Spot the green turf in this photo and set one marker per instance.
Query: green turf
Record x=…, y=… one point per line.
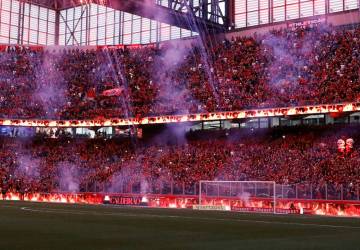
x=55, y=226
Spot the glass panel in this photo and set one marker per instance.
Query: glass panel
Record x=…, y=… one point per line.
x=77, y=37
x=5, y=17
x=110, y=17
x=185, y=33
x=109, y=31
x=136, y=38
x=93, y=34
x=42, y=26
x=51, y=39
x=93, y=22
x=277, y=3
x=288, y=2
x=26, y=36
x=33, y=35
x=351, y=4
x=127, y=16
x=319, y=7
x=253, y=18
x=78, y=11
x=165, y=33
x=127, y=28
x=62, y=39
x=15, y=7
x=127, y=39
x=175, y=32
x=279, y=14
x=52, y=16
x=145, y=24
x=27, y=9
x=306, y=9
x=33, y=23
x=93, y=9
x=15, y=19
x=62, y=28
x=101, y=20
x=70, y=14
x=42, y=38
x=109, y=41
x=83, y=24
x=83, y=37
x=4, y=39
x=117, y=30
x=136, y=25
x=336, y=5
x=252, y=5
x=240, y=6
x=101, y=8
x=43, y=13
x=240, y=21
x=14, y=32
x=51, y=28
x=26, y=21
x=34, y=11
x=264, y=16
x=101, y=32
x=292, y=11
x=264, y=4
x=6, y=5
x=153, y=34
x=145, y=37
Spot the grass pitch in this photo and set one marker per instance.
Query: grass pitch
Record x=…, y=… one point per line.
x=61, y=226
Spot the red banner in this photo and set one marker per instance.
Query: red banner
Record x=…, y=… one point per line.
x=113, y=92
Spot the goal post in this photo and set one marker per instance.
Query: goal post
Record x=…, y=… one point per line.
x=257, y=196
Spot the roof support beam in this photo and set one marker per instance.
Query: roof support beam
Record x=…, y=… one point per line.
x=207, y=17
x=184, y=16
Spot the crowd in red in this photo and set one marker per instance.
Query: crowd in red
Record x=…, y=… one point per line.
x=286, y=156
x=282, y=68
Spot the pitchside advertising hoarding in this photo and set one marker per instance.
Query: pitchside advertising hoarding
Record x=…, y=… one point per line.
x=266, y=210
x=247, y=209
x=293, y=206
x=125, y=200
x=211, y=207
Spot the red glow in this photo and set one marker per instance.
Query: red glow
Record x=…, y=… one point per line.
x=315, y=207
x=58, y=198
x=274, y=112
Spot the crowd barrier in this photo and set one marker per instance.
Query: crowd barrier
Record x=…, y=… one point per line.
x=337, y=109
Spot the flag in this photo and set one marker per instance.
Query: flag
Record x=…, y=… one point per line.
x=91, y=94
x=113, y=92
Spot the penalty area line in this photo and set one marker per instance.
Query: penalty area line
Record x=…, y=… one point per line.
x=122, y=214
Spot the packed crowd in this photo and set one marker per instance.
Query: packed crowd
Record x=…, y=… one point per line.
x=286, y=156
x=282, y=68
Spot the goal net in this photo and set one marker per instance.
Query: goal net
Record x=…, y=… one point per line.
x=242, y=196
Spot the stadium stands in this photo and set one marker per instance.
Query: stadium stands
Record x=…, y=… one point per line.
x=283, y=68
x=287, y=156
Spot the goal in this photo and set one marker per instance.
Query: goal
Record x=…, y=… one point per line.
x=242, y=196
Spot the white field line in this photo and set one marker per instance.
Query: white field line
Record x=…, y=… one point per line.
x=87, y=212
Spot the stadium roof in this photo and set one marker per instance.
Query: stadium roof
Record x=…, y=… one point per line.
x=212, y=20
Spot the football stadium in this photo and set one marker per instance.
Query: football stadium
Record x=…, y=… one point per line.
x=179, y=124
